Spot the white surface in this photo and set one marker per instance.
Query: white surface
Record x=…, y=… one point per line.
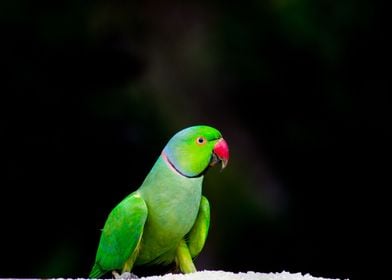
x=224, y=275
x=218, y=275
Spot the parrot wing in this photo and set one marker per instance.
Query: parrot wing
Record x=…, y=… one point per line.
x=194, y=241
x=121, y=235
x=197, y=236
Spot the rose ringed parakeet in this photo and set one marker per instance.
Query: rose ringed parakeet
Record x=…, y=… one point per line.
x=166, y=219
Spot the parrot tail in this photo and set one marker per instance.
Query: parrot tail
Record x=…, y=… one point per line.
x=96, y=272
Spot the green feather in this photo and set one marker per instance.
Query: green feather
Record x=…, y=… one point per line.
x=120, y=235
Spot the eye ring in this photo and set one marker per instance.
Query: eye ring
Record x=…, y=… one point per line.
x=201, y=140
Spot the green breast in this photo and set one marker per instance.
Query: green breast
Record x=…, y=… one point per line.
x=173, y=203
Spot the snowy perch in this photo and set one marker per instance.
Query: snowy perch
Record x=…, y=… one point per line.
x=224, y=275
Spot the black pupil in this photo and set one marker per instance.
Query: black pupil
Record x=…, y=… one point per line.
x=200, y=140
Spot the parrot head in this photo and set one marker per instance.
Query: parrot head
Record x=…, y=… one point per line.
x=192, y=150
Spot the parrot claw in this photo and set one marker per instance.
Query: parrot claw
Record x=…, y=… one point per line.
x=124, y=275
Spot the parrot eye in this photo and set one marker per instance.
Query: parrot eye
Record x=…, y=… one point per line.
x=201, y=140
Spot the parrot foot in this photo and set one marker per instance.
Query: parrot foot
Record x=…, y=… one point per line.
x=124, y=275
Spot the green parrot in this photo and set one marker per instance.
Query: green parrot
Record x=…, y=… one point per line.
x=167, y=218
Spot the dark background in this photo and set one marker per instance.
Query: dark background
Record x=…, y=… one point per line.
x=92, y=91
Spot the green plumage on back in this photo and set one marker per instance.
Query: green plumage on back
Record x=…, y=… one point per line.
x=167, y=219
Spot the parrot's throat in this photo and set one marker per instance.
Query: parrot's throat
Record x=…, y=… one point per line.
x=172, y=166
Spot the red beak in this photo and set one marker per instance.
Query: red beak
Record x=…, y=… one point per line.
x=221, y=150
